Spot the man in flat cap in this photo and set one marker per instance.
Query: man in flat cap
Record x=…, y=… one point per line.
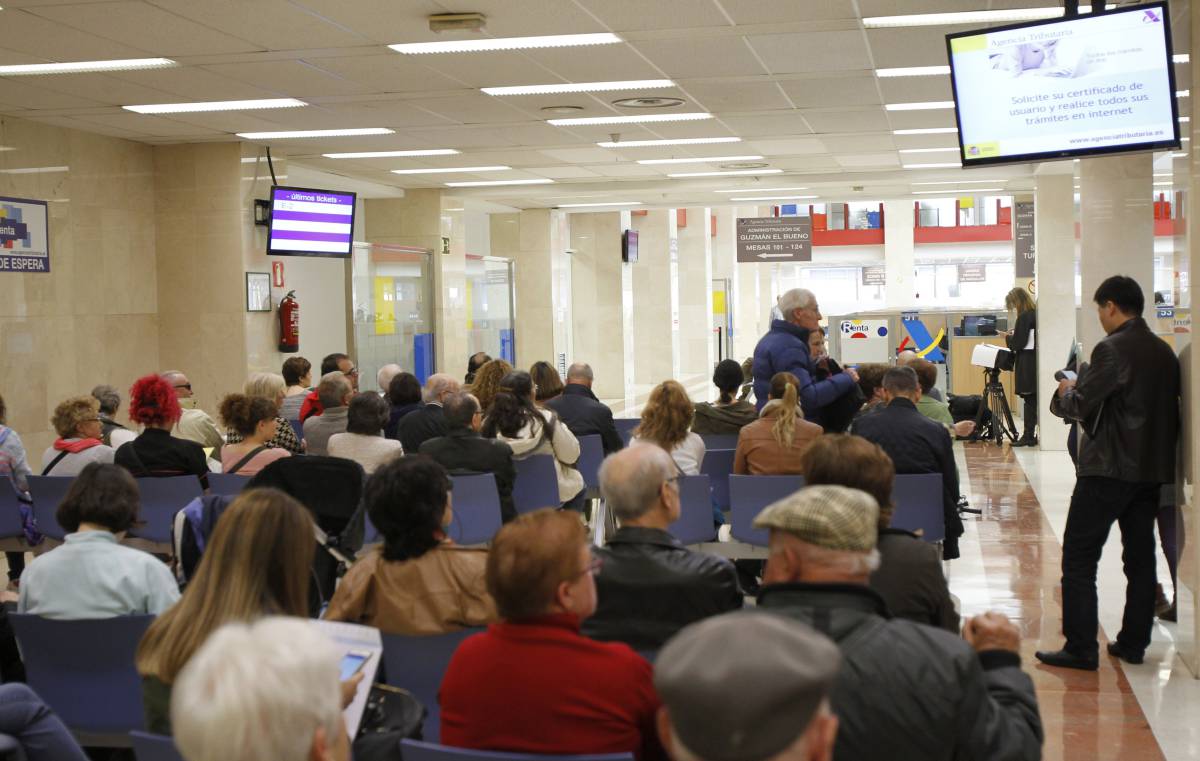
x=905, y=691
x=747, y=686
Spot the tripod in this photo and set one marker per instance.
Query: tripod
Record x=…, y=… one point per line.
x=995, y=403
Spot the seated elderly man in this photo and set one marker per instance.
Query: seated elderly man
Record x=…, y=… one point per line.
x=905, y=690
x=335, y=392
x=781, y=672
x=267, y=690
x=532, y=683
x=194, y=423
x=650, y=586
x=385, y=375
x=462, y=450
x=429, y=422
x=582, y=412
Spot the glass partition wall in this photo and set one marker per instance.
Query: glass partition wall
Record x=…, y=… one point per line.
x=393, y=311
x=490, y=306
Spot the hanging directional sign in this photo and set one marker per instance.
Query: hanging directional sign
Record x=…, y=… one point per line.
x=774, y=239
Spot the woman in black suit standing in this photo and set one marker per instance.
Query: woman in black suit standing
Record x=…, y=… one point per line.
x=1025, y=374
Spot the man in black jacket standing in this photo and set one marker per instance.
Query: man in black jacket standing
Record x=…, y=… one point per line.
x=1127, y=405
x=462, y=450
x=582, y=412
x=916, y=444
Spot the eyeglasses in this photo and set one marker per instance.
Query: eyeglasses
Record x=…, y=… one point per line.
x=188, y=386
x=591, y=568
x=90, y=420
x=351, y=371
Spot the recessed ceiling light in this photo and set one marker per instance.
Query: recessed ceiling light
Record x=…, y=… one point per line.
x=36, y=170
x=727, y=174
x=507, y=43
x=758, y=190
x=959, y=182
x=539, y=181
x=1181, y=58
x=452, y=170
x=216, y=105
x=951, y=192
x=943, y=165
x=913, y=71
x=926, y=106
x=290, y=134
x=928, y=150
x=701, y=160
x=606, y=203
x=926, y=131
x=968, y=17
x=390, y=154
x=631, y=84
x=648, y=102
x=639, y=119
x=83, y=67
x=774, y=198
x=680, y=141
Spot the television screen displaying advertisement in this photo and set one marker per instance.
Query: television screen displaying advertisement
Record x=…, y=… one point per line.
x=307, y=222
x=629, y=246
x=1093, y=84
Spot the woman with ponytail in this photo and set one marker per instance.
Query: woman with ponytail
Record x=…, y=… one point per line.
x=774, y=445
x=729, y=413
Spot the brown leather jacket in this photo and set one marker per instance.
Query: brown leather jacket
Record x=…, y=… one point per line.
x=758, y=454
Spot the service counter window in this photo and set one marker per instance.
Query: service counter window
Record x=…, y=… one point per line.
x=393, y=311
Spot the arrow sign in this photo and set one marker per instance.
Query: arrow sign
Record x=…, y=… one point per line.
x=775, y=256
x=777, y=238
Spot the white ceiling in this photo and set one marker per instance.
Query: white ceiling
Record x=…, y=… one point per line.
x=793, y=78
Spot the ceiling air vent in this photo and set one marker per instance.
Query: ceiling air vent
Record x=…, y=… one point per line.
x=648, y=102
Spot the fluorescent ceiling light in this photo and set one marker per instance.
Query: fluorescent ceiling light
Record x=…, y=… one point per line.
x=926, y=131
x=507, y=43
x=1184, y=119
x=944, y=165
x=390, y=154
x=1181, y=58
x=539, y=181
x=928, y=150
x=1177, y=155
x=1163, y=184
x=289, y=134
x=959, y=182
x=608, y=203
x=648, y=118
x=36, y=170
x=774, y=198
x=452, y=170
x=727, y=174
x=216, y=105
x=701, y=160
x=913, y=71
x=969, y=17
x=631, y=84
x=926, y=106
x=758, y=190
x=680, y=141
x=82, y=67
x=1182, y=93
x=951, y=192
x=1164, y=174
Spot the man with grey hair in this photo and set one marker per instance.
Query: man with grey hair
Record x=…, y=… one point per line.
x=905, y=690
x=266, y=690
x=909, y=357
x=582, y=412
x=784, y=349
x=335, y=392
x=650, y=586
x=113, y=433
x=429, y=422
x=385, y=375
x=780, y=671
x=194, y=424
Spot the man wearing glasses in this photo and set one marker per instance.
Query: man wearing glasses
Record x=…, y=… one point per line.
x=332, y=363
x=195, y=424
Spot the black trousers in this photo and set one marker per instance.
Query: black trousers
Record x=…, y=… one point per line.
x=1096, y=504
x=1029, y=415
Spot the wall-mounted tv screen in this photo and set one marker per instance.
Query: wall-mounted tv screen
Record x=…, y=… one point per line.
x=1093, y=84
x=629, y=246
x=307, y=222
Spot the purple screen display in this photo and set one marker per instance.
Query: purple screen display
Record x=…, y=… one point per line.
x=311, y=222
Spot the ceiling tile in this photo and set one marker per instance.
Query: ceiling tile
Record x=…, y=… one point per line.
x=296, y=79
x=270, y=24
x=787, y=147
x=26, y=94
x=832, y=91
x=718, y=97
x=582, y=155
x=787, y=11
x=789, y=123
x=915, y=89
x=147, y=125
x=484, y=69
x=858, y=143
x=628, y=170
x=472, y=109
x=943, y=117
x=816, y=163
x=909, y=46
x=26, y=32
x=812, y=51
x=104, y=88
x=600, y=63
x=564, y=172
x=690, y=59
x=141, y=25
x=384, y=21
x=872, y=120
x=387, y=72
x=889, y=159
x=190, y=83
x=622, y=15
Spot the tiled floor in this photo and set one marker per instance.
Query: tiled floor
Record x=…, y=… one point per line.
x=1010, y=563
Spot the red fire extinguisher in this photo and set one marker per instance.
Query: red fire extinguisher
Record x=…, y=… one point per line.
x=289, y=323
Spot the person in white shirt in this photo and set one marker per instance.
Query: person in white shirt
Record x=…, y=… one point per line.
x=80, y=429
x=667, y=421
x=92, y=575
x=194, y=424
x=363, y=440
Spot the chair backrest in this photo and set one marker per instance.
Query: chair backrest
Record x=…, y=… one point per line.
x=918, y=499
x=415, y=750
x=695, y=524
x=476, y=513
x=719, y=440
x=417, y=664
x=371, y=534
x=625, y=426
x=10, y=511
x=591, y=454
x=11, y=749
x=227, y=484
x=161, y=498
x=536, y=485
x=148, y=747
x=48, y=493
x=718, y=465
x=749, y=495
x=298, y=427
x=84, y=670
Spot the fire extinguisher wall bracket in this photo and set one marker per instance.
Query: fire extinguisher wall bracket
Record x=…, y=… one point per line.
x=289, y=323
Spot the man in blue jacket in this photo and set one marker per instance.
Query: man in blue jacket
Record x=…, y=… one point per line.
x=784, y=349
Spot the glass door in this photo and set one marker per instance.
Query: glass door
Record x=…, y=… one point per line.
x=393, y=310
x=490, y=306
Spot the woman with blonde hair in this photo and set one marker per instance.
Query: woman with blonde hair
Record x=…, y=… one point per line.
x=774, y=445
x=258, y=563
x=273, y=388
x=667, y=421
x=487, y=382
x=1020, y=341
x=77, y=422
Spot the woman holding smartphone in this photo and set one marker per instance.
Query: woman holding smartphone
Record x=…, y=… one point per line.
x=1025, y=374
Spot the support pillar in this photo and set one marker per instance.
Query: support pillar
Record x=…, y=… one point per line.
x=697, y=342
x=898, y=254
x=597, y=300
x=656, y=347
x=1054, y=244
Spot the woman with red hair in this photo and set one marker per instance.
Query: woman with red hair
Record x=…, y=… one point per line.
x=156, y=453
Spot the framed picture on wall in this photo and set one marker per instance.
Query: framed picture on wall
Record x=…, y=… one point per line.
x=258, y=291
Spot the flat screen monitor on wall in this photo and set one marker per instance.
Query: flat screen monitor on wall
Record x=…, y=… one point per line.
x=307, y=222
x=1093, y=84
x=629, y=246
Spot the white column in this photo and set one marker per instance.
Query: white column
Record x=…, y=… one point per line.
x=598, y=318
x=898, y=254
x=1054, y=243
x=654, y=339
x=697, y=344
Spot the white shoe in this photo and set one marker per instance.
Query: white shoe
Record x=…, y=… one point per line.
x=724, y=534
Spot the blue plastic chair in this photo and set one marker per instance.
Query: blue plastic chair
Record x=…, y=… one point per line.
x=476, y=512
x=371, y=534
x=719, y=440
x=148, y=747
x=591, y=454
x=84, y=671
x=718, y=466
x=161, y=498
x=298, y=427
x=918, y=499
x=536, y=485
x=11, y=749
x=749, y=495
x=695, y=524
x=414, y=750
x=625, y=426
x=48, y=492
x=11, y=526
x=418, y=664
x=227, y=484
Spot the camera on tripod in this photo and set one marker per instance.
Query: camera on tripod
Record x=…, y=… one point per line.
x=992, y=357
